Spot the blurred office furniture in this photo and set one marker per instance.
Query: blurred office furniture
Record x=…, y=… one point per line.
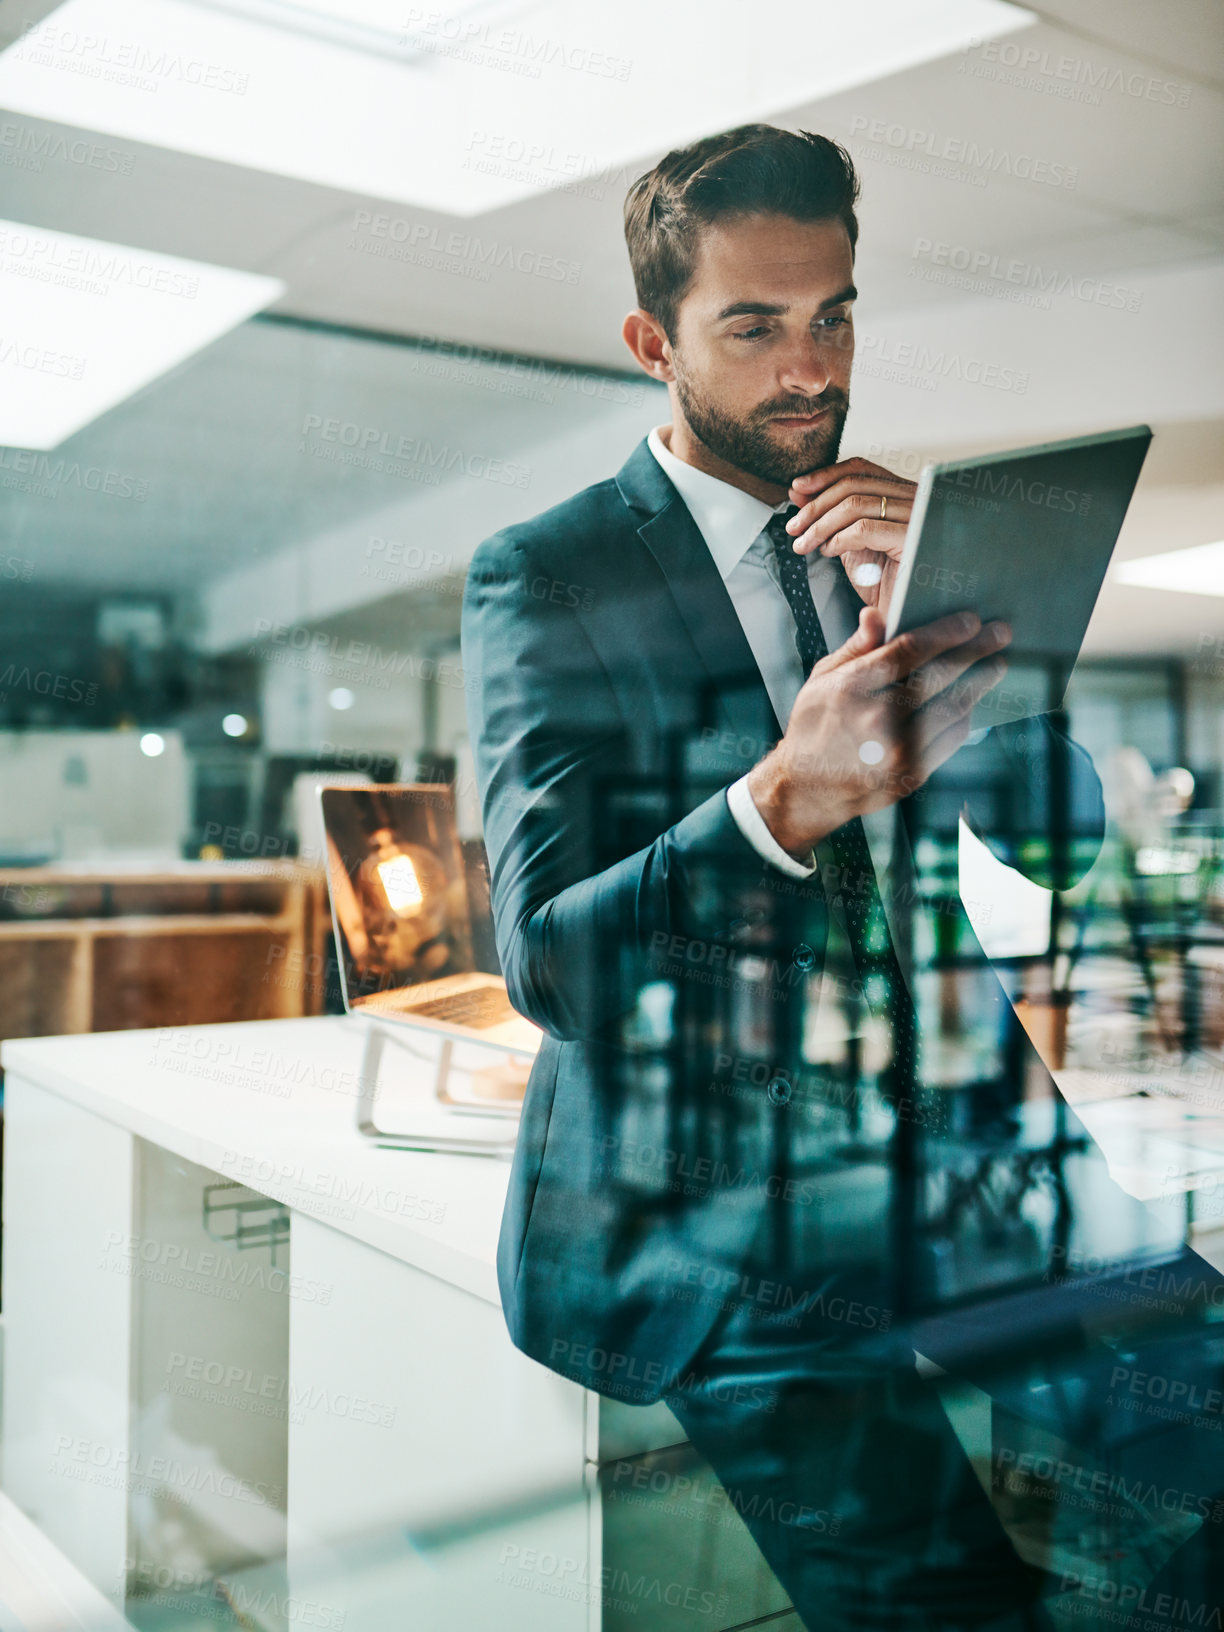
x=379, y=1439
x=108, y=947
x=76, y=795
x=276, y=808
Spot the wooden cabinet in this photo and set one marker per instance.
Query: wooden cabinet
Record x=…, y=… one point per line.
x=95, y=948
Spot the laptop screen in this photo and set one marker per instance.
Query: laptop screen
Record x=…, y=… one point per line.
x=398, y=886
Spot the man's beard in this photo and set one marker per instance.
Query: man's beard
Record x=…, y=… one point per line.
x=753, y=446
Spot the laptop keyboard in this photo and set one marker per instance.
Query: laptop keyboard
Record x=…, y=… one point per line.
x=481, y=1007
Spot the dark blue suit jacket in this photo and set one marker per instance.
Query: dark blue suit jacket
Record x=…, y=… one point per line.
x=613, y=698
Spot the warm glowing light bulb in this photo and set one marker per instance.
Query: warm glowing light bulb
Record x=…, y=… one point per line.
x=400, y=883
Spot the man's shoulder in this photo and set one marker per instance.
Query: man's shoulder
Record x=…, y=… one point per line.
x=559, y=535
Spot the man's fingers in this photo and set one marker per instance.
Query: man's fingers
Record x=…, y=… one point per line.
x=817, y=481
x=904, y=653
x=854, y=522
x=957, y=701
x=866, y=638
x=941, y=727
x=872, y=486
x=933, y=754
x=864, y=532
x=933, y=677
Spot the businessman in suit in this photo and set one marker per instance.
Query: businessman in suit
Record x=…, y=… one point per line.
x=705, y=777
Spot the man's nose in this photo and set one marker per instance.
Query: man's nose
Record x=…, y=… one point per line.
x=806, y=370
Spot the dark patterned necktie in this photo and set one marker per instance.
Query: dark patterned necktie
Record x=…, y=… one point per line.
x=856, y=887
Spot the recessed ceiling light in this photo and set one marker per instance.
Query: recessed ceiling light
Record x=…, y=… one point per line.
x=492, y=107
x=152, y=745
x=84, y=323
x=1198, y=570
x=234, y=725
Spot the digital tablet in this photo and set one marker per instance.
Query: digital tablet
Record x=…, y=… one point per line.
x=1027, y=536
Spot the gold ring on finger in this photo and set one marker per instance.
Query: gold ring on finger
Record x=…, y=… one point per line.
x=883, y=508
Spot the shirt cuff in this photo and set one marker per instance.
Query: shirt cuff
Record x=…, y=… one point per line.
x=751, y=824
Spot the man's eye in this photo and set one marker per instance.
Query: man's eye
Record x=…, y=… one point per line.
x=751, y=334
x=834, y=322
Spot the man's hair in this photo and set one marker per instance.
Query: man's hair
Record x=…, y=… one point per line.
x=751, y=170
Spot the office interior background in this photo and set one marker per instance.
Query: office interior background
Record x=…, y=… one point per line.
x=303, y=300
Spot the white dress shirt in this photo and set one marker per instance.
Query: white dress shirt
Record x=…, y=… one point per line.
x=733, y=524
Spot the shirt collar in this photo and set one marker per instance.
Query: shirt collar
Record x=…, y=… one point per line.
x=729, y=519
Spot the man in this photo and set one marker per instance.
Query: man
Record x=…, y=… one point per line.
x=706, y=777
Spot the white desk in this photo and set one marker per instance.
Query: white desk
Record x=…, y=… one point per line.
x=176, y=1407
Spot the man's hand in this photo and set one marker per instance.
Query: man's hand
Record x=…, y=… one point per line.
x=872, y=721
x=840, y=515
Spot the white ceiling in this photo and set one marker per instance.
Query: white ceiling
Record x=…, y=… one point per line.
x=1149, y=191
x=218, y=440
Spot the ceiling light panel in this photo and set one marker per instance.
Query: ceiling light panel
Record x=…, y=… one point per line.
x=469, y=109
x=1198, y=570
x=85, y=323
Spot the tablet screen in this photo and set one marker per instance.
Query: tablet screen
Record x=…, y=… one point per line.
x=1027, y=536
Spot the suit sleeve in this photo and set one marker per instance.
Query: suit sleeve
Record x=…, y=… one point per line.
x=580, y=928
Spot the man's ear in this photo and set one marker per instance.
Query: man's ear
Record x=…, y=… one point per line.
x=646, y=339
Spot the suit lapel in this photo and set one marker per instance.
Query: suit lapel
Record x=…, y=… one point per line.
x=736, y=697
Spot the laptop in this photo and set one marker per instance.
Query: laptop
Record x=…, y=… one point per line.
x=410, y=909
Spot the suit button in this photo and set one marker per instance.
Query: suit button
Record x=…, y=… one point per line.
x=779, y=1090
x=803, y=957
